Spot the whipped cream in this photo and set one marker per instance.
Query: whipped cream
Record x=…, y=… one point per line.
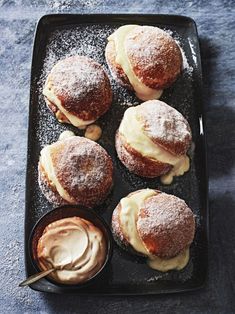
x=75, y=247
x=66, y=134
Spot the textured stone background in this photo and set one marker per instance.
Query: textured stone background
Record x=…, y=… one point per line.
x=216, y=26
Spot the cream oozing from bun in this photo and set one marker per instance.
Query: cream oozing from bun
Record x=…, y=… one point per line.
x=130, y=207
x=132, y=129
x=142, y=91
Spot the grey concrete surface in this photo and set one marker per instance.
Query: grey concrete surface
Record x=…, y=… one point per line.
x=216, y=26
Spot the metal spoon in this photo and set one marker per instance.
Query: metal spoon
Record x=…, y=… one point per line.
x=42, y=274
x=36, y=277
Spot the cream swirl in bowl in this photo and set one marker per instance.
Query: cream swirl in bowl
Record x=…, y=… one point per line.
x=75, y=241
x=75, y=247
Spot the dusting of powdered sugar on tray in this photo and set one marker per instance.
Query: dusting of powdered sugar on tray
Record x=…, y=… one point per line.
x=90, y=40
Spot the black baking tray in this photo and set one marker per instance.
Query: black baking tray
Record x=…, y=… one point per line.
x=60, y=35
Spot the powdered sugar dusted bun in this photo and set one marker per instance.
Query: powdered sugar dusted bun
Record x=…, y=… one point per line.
x=146, y=54
x=75, y=170
x=153, y=139
x=78, y=91
x=166, y=225
x=154, y=224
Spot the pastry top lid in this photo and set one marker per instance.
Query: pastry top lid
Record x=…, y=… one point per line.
x=166, y=225
x=165, y=126
x=154, y=55
x=81, y=166
x=81, y=84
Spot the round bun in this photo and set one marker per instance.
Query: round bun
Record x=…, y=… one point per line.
x=154, y=56
x=82, y=172
x=151, y=138
x=82, y=88
x=165, y=225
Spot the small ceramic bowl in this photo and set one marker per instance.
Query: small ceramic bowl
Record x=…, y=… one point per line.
x=65, y=212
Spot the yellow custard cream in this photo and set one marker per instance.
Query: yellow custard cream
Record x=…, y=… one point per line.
x=128, y=217
x=142, y=91
x=178, y=262
x=134, y=134
x=50, y=95
x=75, y=247
x=130, y=207
x=66, y=134
x=47, y=164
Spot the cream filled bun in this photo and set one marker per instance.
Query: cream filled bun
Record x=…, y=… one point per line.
x=152, y=140
x=144, y=59
x=157, y=225
x=78, y=91
x=75, y=247
x=75, y=170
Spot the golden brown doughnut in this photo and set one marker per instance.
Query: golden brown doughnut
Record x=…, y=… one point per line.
x=153, y=139
x=164, y=224
x=152, y=54
x=75, y=170
x=78, y=91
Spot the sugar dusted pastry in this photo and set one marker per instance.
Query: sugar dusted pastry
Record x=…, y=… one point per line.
x=144, y=59
x=78, y=91
x=157, y=225
x=75, y=170
x=153, y=139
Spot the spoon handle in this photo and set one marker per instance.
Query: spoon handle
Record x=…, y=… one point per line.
x=36, y=277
